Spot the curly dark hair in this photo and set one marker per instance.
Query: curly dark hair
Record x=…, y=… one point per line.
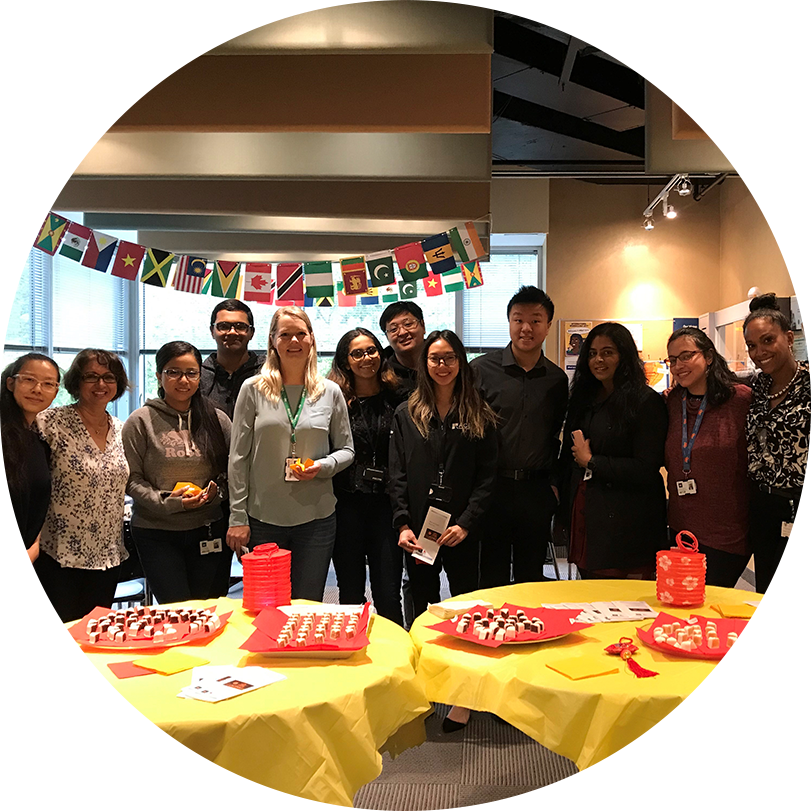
x=720, y=378
x=341, y=372
x=73, y=376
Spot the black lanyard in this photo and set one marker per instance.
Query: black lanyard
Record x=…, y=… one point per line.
x=370, y=431
x=687, y=445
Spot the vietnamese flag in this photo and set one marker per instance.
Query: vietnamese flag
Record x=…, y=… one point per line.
x=128, y=260
x=433, y=285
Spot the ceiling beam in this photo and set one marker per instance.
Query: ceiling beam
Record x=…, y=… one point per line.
x=538, y=51
x=632, y=141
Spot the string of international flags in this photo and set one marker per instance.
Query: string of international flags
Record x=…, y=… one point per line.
x=444, y=263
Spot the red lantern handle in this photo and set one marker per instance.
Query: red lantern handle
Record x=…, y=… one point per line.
x=684, y=546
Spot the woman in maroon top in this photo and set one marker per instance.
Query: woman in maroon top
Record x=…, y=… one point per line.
x=705, y=454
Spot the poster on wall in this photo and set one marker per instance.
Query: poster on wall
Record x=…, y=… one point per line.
x=574, y=334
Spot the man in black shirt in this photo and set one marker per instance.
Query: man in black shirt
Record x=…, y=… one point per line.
x=225, y=370
x=529, y=394
x=404, y=326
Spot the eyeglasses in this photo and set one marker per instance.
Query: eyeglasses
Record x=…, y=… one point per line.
x=684, y=357
x=448, y=360
x=406, y=325
x=359, y=354
x=176, y=374
x=92, y=377
x=28, y=382
x=226, y=326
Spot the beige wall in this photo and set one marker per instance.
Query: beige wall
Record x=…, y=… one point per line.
x=749, y=253
x=601, y=264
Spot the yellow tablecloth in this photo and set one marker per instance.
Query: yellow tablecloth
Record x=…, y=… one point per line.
x=316, y=734
x=585, y=720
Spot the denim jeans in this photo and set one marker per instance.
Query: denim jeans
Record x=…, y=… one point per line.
x=311, y=547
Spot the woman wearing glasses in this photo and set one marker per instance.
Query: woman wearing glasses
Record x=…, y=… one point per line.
x=27, y=387
x=81, y=544
x=177, y=450
x=613, y=447
x=284, y=417
x=705, y=454
x=363, y=512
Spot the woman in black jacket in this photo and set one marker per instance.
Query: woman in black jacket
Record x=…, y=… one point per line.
x=364, y=531
x=613, y=449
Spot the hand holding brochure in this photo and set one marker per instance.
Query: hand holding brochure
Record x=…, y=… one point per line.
x=436, y=522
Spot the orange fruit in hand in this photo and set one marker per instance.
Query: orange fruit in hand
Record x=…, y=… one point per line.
x=193, y=490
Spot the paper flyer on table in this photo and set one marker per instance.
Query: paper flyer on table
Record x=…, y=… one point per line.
x=436, y=522
x=220, y=682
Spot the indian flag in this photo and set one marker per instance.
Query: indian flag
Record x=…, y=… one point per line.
x=465, y=242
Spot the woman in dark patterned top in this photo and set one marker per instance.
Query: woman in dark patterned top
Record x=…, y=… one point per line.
x=776, y=433
x=363, y=512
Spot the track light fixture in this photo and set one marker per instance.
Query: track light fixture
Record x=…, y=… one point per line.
x=684, y=187
x=681, y=183
x=648, y=224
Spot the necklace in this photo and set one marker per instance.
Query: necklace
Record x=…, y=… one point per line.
x=787, y=387
x=91, y=427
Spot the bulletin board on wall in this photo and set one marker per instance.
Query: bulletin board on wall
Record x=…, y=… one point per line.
x=651, y=341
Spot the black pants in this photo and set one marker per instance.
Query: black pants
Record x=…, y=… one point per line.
x=517, y=531
x=723, y=568
x=75, y=592
x=174, y=567
x=364, y=533
x=767, y=513
x=461, y=565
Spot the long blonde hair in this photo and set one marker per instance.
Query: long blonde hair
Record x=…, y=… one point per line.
x=269, y=381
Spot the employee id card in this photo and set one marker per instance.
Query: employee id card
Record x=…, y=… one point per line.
x=210, y=545
x=686, y=487
x=436, y=522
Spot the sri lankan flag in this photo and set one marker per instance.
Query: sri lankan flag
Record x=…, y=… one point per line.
x=472, y=273
x=156, y=267
x=353, y=273
x=50, y=235
x=225, y=279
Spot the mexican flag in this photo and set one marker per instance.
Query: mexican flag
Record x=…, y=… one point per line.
x=75, y=241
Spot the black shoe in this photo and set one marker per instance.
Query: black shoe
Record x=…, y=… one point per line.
x=500, y=720
x=452, y=726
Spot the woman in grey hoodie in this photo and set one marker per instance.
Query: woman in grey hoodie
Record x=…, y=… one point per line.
x=177, y=450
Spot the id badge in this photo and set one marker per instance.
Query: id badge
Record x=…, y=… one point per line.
x=587, y=474
x=791, y=530
x=288, y=473
x=686, y=487
x=437, y=492
x=210, y=545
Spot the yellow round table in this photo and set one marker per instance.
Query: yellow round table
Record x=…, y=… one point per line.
x=584, y=720
x=317, y=734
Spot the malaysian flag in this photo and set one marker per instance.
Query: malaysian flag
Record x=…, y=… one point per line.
x=190, y=274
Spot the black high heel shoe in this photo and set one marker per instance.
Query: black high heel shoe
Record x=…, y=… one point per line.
x=448, y=725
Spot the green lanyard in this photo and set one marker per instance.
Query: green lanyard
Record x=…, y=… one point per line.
x=294, y=418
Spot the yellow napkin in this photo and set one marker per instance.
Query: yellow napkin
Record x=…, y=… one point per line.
x=736, y=610
x=169, y=662
x=583, y=667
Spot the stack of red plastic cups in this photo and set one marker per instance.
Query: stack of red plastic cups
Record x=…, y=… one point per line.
x=265, y=577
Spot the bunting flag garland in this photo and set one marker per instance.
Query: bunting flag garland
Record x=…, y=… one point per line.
x=259, y=283
x=290, y=284
x=344, y=300
x=353, y=273
x=381, y=268
x=99, y=251
x=408, y=290
x=472, y=273
x=465, y=242
x=157, y=266
x=411, y=261
x=190, y=275
x=438, y=253
x=51, y=233
x=318, y=301
x=128, y=260
x=75, y=241
x=433, y=285
x=452, y=280
x=389, y=294
x=370, y=297
x=224, y=280
x=318, y=279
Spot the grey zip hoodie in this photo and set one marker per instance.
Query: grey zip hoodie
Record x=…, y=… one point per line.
x=161, y=452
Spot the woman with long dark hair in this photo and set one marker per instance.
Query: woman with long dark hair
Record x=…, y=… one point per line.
x=177, y=450
x=27, y=386
x=364, y=532
x=613, y=495
x=705, y=454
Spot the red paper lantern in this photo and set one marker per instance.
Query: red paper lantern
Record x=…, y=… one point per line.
x=681, y=573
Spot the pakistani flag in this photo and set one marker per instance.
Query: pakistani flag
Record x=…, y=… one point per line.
x=408, y=290
x=156, y=267
x=75, y=241
x=381, y=268
x=318, y=279
x=452, y=280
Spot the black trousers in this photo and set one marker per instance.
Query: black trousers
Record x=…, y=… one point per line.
x=75, y=592
x=461, y=565
x=767, y=513
x=516, y=532
x=723, y=568
x=364, y=534
x=174, y=567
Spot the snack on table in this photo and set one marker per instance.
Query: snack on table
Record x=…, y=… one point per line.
x=698, y=637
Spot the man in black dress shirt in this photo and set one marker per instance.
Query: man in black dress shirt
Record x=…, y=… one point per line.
x=404, y=326
x=529, y=394
x=225, y=370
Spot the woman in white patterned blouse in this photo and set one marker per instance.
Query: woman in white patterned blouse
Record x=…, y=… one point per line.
x=81, y=545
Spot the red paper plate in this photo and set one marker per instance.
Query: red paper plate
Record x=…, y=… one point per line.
x=270, y=621
x=79, y=632
x=557, y=624
x=723, y=625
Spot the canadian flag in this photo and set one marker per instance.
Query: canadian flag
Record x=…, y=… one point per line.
x=259, y=284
